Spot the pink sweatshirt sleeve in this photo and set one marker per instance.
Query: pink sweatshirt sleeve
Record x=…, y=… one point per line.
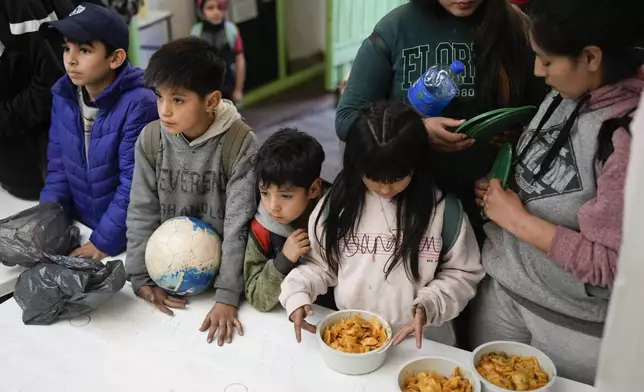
x=591, y=254
x=312, y=277
x=456, y=279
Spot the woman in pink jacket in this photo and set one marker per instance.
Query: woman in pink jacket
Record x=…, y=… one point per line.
x=552, y=248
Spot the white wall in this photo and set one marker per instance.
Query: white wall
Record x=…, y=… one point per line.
x=305, y=24
x=183, y=14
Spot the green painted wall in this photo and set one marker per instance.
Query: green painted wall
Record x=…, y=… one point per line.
x=349, y=22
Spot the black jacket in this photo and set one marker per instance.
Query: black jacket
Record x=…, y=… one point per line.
x=29, y=67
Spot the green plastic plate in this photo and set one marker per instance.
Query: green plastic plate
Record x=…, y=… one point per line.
x=501, y=168
x=474, y=121
x=505, y=121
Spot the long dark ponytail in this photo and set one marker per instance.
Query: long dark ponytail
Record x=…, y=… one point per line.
x=388, y=143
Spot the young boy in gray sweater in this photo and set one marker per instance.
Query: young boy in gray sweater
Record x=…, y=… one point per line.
x=197, y=161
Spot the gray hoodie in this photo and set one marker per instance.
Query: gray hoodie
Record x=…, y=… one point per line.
x=569, y=285
x=189, y=181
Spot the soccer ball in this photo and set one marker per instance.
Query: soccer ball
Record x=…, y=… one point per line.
x=182, y=256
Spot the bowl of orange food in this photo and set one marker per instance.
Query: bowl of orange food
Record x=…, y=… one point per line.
x=436, y=374
x=511, y=366
x=354, y=341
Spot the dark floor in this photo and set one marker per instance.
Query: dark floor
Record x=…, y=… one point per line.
x=310, y=109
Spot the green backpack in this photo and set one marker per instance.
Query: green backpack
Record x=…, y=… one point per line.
x=233, y=140
x=452, y=222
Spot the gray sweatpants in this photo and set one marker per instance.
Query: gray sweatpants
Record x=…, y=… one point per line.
x=496, y=316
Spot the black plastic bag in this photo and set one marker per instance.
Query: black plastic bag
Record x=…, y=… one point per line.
x=29, y=236
x=66, y=287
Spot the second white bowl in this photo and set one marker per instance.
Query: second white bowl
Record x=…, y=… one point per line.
x=513, y=348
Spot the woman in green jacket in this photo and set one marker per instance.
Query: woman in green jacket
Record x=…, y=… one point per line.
x=488, y=36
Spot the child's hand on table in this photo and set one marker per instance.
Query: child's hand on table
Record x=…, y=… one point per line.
x=297, y=317
x=222, y=317
x=415, y=327
x=297, y=245
x=88, y=251
x=161, y=299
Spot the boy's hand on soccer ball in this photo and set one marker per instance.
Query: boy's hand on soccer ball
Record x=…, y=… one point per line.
x=88, y=251
x=297, y=245
x=222, y=317
x=161, y=299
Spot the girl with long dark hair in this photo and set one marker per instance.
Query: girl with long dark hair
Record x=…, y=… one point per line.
x=488, y=36
x=553, y=246
x=378, y=235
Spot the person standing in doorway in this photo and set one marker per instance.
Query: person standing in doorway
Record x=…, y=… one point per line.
x=224, y=37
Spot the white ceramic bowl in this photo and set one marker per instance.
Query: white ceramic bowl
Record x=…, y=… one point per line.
x=352, y=363
x=513, y=348
x=438, y=365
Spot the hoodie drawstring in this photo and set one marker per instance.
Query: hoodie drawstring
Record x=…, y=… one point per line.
x=555, y=148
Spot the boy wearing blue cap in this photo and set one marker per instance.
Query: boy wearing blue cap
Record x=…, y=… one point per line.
x=99, y=108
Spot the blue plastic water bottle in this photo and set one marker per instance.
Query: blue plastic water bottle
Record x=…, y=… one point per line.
x=435, y=89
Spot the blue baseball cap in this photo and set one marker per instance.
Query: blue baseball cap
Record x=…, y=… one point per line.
x=91, y=22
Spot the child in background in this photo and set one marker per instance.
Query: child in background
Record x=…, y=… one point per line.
x=99, y=109
x=288, y=171
x=201, y=166
x=379, y=235
x=224, y=37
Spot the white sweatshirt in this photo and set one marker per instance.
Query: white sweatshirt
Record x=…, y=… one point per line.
x=444, y=289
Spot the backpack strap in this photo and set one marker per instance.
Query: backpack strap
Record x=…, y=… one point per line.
x=151, y=142
x=261, y=235
x=233, y=140
x=231, y=34
x=197, y=30
x=452, y=222
x=605, y=147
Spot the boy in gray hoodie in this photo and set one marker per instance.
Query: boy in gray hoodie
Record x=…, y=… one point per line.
x=197, y=161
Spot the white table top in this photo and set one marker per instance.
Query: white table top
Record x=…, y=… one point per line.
x=128, y=345
x=8, y=278
x=121, y=349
